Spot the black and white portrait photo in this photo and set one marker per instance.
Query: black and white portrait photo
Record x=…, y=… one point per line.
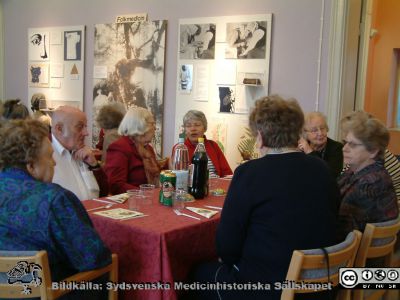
x=226, y=99
x=246, y=40
x=72, y=45
x=39, y=43
x=185, y=78
x=197, y=41
x=133, y=55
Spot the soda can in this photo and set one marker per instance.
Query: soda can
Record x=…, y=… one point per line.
x=162, y=179
x=168, y=183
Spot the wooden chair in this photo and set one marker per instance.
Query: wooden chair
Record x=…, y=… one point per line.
x=310, y=266
x=378, y=241
x=28, y=275
x=396, y=253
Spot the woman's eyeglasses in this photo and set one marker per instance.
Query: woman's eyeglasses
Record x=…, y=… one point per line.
x=352, y=145
x=315, y=130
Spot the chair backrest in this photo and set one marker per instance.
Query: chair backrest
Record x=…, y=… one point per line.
x=378, y=241
x=26, y=274
x=311, y=266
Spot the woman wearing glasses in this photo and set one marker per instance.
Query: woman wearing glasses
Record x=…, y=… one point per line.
x=315, y=142
x=366, y=188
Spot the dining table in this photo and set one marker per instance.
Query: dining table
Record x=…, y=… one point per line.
x=157, y=251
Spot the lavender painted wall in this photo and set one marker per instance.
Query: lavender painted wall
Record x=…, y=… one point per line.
x=294, y=44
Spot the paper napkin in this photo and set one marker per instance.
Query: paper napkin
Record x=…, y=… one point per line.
x=119, y=213
x=120, y=198
x=208, y=213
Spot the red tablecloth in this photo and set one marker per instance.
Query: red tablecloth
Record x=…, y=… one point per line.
x=159, y=248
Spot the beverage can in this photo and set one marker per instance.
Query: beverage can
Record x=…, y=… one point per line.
x=168, y=183
x=162, y=179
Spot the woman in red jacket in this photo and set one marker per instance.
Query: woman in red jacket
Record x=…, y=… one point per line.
x=131, y=160
x=195, y=124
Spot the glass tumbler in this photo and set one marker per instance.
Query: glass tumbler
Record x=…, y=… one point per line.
x=178, y=199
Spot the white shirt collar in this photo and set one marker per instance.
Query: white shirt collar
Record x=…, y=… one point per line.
x=57, y=145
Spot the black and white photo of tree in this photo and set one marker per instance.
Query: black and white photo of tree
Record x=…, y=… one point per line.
x=133, y=54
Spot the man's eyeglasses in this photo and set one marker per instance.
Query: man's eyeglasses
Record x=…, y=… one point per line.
x=352, y=145
x=315, y=130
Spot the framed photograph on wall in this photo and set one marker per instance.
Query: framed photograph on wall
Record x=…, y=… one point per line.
x=185, y=79
x=72, y=45
x=38, y=74
x=226, y=99
x=197, y=41
x=39, y=45
x=246, y=40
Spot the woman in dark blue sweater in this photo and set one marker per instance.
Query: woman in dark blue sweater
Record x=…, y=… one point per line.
x=283, y=201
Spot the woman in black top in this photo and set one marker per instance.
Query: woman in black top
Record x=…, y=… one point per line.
x=315, y=142
x=283, y=201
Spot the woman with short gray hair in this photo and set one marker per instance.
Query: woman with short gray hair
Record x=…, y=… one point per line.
x=131, y=159
x=366, y=189
x=195, y=124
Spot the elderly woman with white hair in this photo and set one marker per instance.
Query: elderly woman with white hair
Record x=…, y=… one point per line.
x=131, y=160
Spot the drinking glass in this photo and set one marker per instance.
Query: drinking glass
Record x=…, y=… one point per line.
x=135, y=199
x=178, y=199
x=147, y=192
x=213, y=182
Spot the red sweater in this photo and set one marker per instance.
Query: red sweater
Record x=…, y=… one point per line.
x=124, y=166
x=214, y=153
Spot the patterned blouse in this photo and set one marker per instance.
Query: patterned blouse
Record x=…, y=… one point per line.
x=367, y=197
x=44, y=216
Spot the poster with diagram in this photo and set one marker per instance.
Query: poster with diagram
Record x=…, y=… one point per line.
x=56, y=64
